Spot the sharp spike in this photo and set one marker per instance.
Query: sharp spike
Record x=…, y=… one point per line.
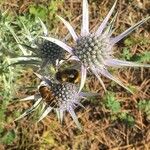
x=105, y=21
x=85, y=19
x=75, y=119
x=128, y=31
x=70, y=28
x=83, y=77
x=36, y=104
x=45, y=113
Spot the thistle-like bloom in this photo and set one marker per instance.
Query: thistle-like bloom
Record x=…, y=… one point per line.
x=60, y=97
x=94, y=50
x=45, y=51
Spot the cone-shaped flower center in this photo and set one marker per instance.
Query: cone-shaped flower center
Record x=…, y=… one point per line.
x=51, y=51
x=58, y=95
x=91, y=48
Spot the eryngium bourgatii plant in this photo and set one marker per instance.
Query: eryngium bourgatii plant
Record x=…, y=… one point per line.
x=60, y=97
x=95, y=50
x=45, y=51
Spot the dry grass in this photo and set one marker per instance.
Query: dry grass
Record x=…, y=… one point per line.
x=99, y=131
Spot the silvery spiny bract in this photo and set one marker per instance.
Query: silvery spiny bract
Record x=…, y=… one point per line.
x=60, y=97
x=95, y=50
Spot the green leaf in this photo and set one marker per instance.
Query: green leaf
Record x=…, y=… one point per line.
x=127, y=119
x=8, y=138
x=129, y=42
x=145, y=57
x=39, y=11
x=126, y=53
x=111, y=103
x=144, y=105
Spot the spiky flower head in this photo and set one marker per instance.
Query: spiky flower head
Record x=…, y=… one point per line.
x=45, y=51
x=60, y=97
x=49, y=53
x=95, y=50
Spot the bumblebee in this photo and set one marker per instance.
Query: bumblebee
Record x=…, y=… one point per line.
x=48, y=96
x=68, y=75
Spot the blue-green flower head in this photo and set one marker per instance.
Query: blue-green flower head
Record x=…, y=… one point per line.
x=42, y=52
x=49, y=52
x=95, y=50
x=60, y=97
